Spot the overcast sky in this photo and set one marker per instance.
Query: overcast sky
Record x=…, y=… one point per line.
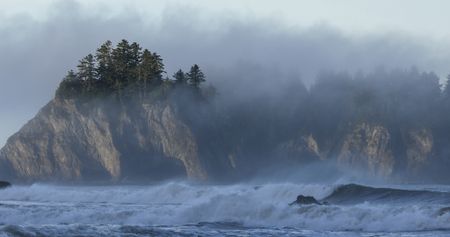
x=42, y=39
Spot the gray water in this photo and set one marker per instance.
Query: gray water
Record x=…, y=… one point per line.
x=186, y=209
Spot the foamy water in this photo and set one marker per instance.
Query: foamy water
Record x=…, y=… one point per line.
x=185, y=209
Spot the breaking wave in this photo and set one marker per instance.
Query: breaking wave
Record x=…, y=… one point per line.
x=354, y=193
x=241, y=207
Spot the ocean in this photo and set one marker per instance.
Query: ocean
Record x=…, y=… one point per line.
x=249, y=209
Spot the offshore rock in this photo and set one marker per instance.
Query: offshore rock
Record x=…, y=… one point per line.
x=305, y=200
x=4, y=184
x=102, y=140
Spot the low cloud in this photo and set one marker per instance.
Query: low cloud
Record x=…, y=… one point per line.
x=36, y=54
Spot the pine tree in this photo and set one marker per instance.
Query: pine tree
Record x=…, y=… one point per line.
x=121, y=56
x=86, y=68
x=126, y=65
x=157, y=67
x=71, y=76
x=134, y=61
x=151, y=68
x=180, y=77
x=86, y=72
x=105, y=70
x=145, y=69
x=195, y=76
x=70, y=86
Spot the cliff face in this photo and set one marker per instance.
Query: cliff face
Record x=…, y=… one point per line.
x=420, y=144
x=102, y=140
x=371, y=147
x=303, y=149
x=367, y=147
x=71, y=140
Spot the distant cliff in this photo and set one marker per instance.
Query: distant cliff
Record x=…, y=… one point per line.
x=374, y=149
x=111, y=140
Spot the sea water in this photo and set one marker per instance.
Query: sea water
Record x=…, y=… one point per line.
x=189, y=209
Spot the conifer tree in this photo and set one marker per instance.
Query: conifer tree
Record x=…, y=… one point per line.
x=121, y=56
x=71, y=76
x=70, y=86
x=86, y=68
x=86, y=71
x=195, y=76
x=151, y=68
x=180, y=77
x=145, y=69
x=105, y=70
x=157, y=67
x=134, y=61
x=126, y=65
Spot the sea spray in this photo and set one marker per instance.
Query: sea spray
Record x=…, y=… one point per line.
x=247, y=205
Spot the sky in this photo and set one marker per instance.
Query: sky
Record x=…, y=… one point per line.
x=43, y=39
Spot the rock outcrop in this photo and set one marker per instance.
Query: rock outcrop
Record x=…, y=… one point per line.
x=367, y=147
x=112, y=140
x=305, y=200
x=304, y=148
x=71, y=141
x=419, y=148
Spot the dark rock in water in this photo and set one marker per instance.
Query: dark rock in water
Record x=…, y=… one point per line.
x=305, y=200
x=4, y=184
x=443, y=211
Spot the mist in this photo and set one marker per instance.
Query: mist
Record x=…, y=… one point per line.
x=36, y=57
x=289, y=118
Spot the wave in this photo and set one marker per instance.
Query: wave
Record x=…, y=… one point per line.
x=354, y=193
x=240, y=206
x=212, y=230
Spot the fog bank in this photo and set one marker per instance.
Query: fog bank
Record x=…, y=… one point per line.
x=37, y=53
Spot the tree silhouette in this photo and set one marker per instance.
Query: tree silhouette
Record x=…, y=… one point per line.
x=195, y=76
x=70, y=86
x=105, y=67
x=180, y=77
x=121, y=56
x=145, y=69
x=86, y=72
x=134, y=62
x=113, y=69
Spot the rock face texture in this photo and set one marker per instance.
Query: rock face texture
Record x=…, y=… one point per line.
x=371, y=147
x=304, y=148
x=367, y=147
x=69, y=141
x=111, y=140
x=418, y=150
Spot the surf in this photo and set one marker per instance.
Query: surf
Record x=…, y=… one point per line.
x=351, y=207
x=355, y=193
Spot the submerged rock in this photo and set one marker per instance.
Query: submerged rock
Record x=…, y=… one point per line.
x=4, y=184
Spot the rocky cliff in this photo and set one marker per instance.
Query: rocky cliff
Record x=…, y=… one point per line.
x=374, y=149
x=112, y=140
x=367, y=147
x=71, y=141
